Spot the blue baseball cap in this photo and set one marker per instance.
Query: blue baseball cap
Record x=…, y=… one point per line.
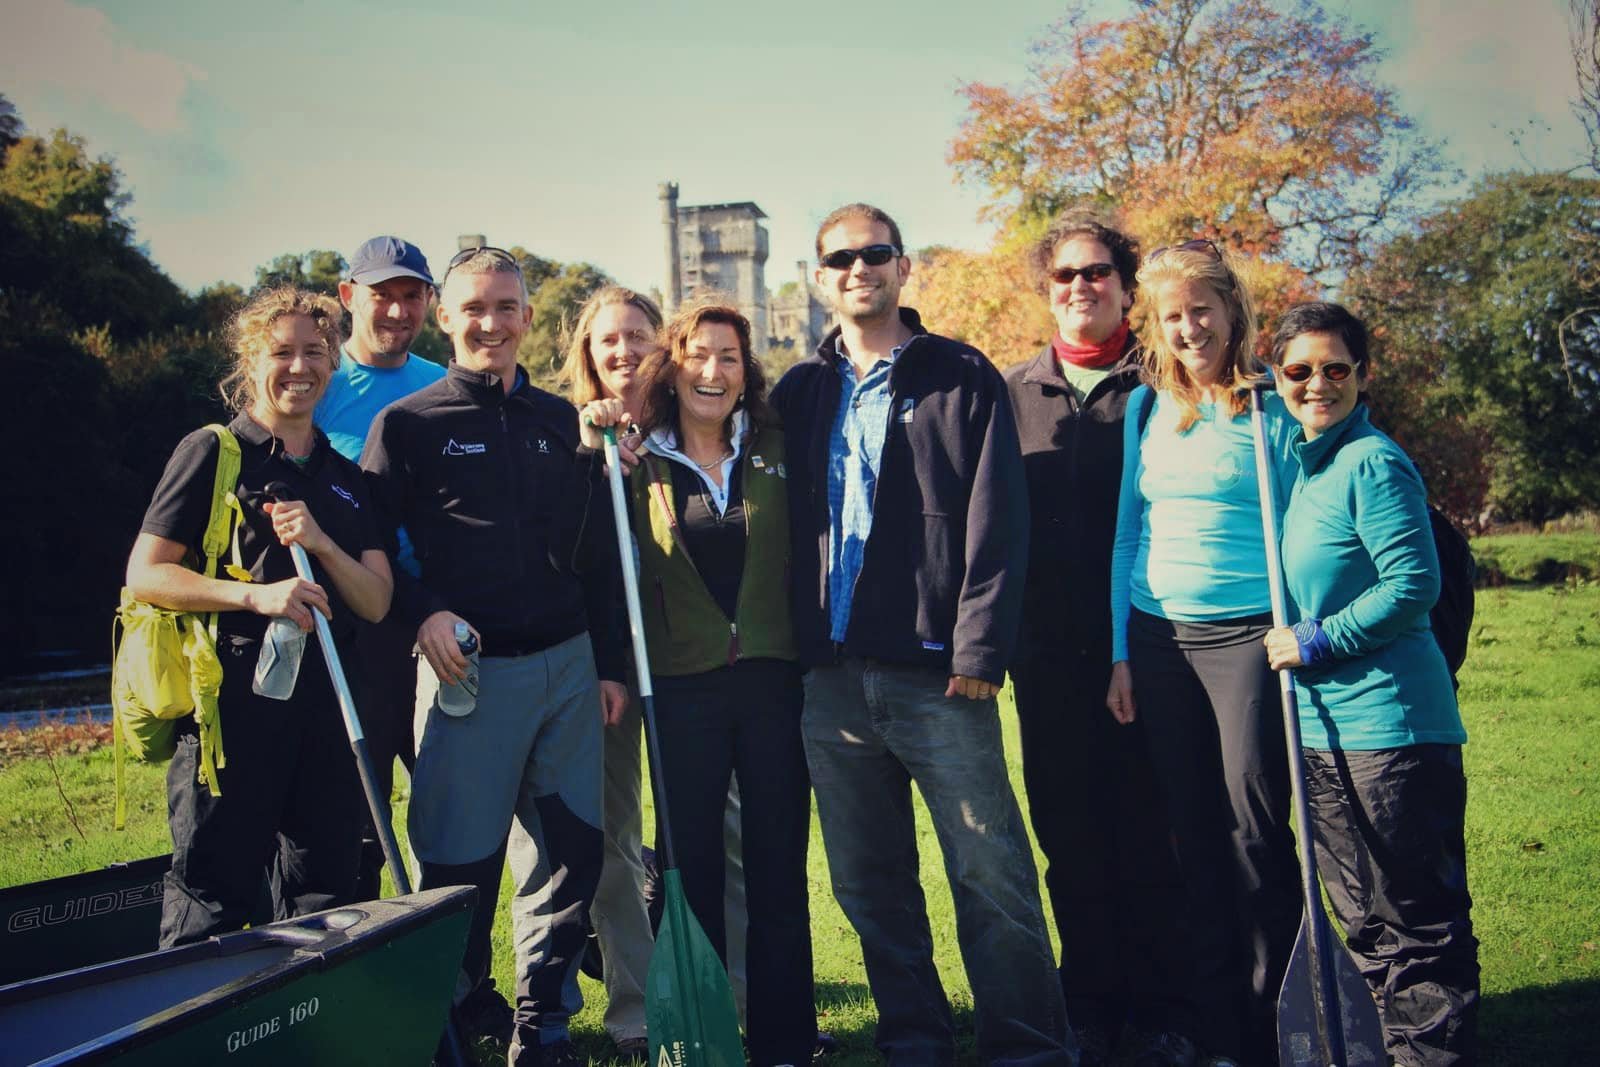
x=383, y=258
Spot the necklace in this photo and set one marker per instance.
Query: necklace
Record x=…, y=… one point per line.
x=713, y=463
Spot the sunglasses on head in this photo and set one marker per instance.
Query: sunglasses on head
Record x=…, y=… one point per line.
x=872, y=256
x=498, y=254
x=1302, y=372
x=1094, y=272
x=1199, y=244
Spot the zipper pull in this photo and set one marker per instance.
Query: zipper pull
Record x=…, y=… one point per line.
x=733, y=643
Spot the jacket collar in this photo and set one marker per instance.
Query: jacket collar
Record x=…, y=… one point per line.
x=1045, y=370
x=828, y=350
x=1315, y=453
x=482, y=387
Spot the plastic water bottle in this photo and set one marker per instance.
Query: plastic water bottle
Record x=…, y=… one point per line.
x=278, y=666
x=459, y=699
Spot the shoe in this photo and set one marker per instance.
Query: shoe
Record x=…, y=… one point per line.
x=1094, y=1046
x=1141, y=1049
x=592, y=963
x=484, y=1013
x=827, y=1045
x=633, y=1050
x=528, y=1051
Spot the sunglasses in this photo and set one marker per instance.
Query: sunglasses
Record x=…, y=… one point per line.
x=1303, y=372
x=872, y=256
x=1199, y=244
x=1094, y=272
x=497, y=254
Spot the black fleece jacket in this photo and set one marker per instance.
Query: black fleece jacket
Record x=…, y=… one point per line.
x=507, y=514
x=943, y=568
x=1072, y=453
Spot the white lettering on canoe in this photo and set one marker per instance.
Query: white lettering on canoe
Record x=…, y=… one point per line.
x=251, y=1034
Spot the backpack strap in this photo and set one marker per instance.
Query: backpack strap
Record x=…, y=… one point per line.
x=221, y=535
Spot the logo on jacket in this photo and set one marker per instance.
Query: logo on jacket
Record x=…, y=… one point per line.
x=907, y=407
x=451, y=448
x=544, y=446
x=348, y=496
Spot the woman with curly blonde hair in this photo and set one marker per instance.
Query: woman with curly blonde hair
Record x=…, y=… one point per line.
x=287, y=797
x=1189, y=607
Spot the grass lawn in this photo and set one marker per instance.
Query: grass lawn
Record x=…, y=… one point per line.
x=1531, y=697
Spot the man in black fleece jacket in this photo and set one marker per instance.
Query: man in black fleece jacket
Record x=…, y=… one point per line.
x=513, y=537
x=909, y=539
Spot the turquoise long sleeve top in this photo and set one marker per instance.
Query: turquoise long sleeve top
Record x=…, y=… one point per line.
x=1358, y=554
x=1189, y=543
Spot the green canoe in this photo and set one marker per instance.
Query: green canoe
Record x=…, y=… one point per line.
x=363, y=984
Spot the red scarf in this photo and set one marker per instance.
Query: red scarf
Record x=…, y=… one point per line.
x=1093, y=357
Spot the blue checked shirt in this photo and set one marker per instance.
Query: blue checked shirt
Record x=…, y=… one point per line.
x=855, y=448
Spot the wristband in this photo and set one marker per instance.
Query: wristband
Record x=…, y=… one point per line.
x=1314, y=645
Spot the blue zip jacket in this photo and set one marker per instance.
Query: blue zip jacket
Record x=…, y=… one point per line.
x=1358, y=554
x=941, y=577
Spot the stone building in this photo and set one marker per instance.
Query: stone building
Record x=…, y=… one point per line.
x=723, y=248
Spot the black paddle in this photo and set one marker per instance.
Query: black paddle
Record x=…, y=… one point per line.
x=376, y=804
x=1326, y=1014
x=689, y=1010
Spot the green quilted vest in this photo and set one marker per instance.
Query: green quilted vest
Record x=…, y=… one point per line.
x=686, y=632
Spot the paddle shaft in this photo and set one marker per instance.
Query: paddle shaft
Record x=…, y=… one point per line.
x=1321, y=945
x=376, y=804
x=641, y=656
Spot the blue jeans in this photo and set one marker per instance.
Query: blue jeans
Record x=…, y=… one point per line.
x=871, y=729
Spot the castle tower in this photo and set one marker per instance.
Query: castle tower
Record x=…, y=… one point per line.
x=673, y=294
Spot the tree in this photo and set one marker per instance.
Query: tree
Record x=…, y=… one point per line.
x=1263, y=128
x=1583, y=31
x=555, y=294
x=986, y=299
x=319, y=270
x=11, y=128
x=1487, y=335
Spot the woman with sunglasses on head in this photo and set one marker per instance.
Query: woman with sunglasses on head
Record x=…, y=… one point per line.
x=1189, y=607
x=1379, y=724
x=709, y=512
x=1092, y=797
x=287, y=797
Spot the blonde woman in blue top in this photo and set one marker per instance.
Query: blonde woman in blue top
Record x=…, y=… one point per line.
x=1381, y=731
x=1190, y=606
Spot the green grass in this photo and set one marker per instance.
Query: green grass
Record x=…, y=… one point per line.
x=1537, y=557
x=1530, y=695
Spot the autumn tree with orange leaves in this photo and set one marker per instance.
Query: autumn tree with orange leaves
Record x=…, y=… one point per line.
x=1262, y=127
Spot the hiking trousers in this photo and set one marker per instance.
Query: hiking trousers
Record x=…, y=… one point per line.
x=1391, y=851
x=290, y=809
x=1214, y=726
x=520, y=772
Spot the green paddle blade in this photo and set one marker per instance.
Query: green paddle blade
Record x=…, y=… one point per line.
x=1299, y=1010
x=688, y=1004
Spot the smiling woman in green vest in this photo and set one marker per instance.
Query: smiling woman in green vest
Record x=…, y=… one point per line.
x=709, y=511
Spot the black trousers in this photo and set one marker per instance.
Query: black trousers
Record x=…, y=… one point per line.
x=1213, y=723
x=290, y=805
x=1392, y=854
x=386, y=696
x=1110, y=869
x=744, y=720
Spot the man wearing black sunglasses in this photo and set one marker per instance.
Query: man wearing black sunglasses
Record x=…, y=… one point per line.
x=909, y=535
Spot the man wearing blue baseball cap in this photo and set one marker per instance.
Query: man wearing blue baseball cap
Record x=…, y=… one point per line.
x=387, y=290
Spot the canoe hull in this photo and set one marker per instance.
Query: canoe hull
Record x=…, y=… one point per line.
x=364, y=984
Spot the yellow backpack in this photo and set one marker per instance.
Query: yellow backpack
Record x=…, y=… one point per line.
x=164, y=663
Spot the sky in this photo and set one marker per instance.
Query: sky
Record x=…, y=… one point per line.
x=246, y=131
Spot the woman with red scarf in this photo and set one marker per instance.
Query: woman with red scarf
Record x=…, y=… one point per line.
x=1094, y=805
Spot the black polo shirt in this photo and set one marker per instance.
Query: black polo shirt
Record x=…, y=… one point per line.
x=331, y=486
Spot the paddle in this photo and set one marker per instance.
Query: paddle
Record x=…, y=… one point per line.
x=688, y=1004
x=376, y=804
x=1326, y=1014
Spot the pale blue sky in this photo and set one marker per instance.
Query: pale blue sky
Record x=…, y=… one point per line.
x=245, y=131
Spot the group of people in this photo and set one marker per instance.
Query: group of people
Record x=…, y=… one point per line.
x=836, y=577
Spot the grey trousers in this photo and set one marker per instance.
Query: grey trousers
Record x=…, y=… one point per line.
x=525, y=763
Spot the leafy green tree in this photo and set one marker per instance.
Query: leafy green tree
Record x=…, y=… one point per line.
x=319, y=270
x=11, y=128
x=1487, y=330
x=555, y=299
